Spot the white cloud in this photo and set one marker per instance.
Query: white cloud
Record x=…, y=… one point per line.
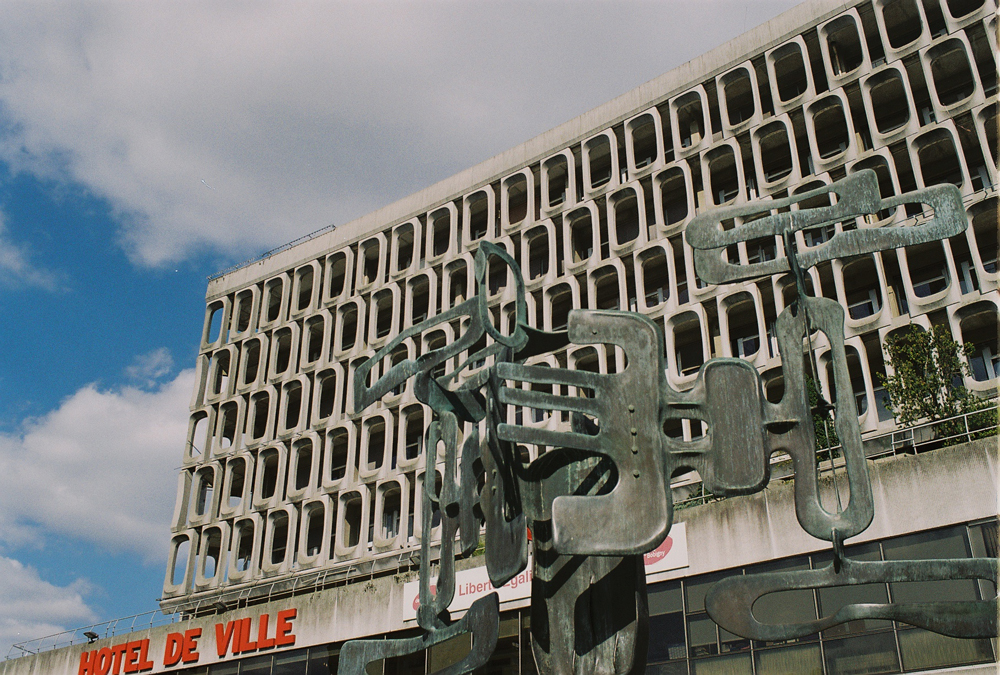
x=100, y=468
x=239, y=125
x=31, y=607
x=16, y=268
x=148, y=369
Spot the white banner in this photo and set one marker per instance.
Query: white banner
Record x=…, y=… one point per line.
x=472, y=584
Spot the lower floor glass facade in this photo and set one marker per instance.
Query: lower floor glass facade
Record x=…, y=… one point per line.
x=683, y=640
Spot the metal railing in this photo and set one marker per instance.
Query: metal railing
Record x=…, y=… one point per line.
x=267, y=254
x=98, y=631
x=910, y=440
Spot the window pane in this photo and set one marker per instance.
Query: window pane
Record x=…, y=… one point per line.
x=666, y=637
x=984, y=539
x=290, y=663
x=862, y=655
x=230, y=668
x=736, y=664
x=785, y=607
x=675, y=668
x=323, y=661
x=924, y=649
x=732, y=643
x=259, y=665
x=665, y=598
x=504, y=660
x=946, y=543
x=406, y=664
x=831, y=600
x=799, y=659
x=701, y=636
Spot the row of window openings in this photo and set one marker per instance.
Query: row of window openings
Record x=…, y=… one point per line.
x=889, y=105
x=539, y=259
x=744, y=342
x=309, y=541
x=689, y=355
x=259, y=424
x=926, y=280
x=862, y=302
x=938, y=158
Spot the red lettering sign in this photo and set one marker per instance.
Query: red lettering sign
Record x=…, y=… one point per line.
x=119, y=652
x=189, y=652
x=223, y=637
x=283, y=630
x=172, y=651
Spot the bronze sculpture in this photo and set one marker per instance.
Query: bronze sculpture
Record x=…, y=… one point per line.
x=616, y=458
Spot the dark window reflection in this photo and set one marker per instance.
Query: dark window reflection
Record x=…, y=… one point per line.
x=923, y=649
x=799, y=659
x=862, y=655
x=666, y=637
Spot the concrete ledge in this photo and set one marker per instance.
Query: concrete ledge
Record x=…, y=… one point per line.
x=912, y=493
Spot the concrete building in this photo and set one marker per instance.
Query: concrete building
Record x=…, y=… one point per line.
x=296, y=514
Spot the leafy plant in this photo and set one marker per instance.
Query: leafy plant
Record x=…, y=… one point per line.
x=823, y=421
x=927, y=381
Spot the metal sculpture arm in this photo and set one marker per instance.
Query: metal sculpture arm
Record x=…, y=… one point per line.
x=627, y=432
x=730, y=601
x=857, y=196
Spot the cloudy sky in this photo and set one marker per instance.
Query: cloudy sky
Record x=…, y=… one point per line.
x=144, y=146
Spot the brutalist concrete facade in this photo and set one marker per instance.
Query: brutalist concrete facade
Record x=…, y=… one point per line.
x=294, y=526
x=281, y=478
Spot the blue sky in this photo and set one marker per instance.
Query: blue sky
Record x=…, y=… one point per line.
x=144, y=146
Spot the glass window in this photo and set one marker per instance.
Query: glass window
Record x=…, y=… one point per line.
x=257, y=665
x=696, y=589
x=923, y=649
x=674, y=668
x=799, y=659
x=735, y=664
x=505, y=657
x=728, y=642
x=290, y=663
x=983, y=538
x=861, y=655
x=405, y=664
x=701, y=636
x=665, y=598
x=666, y=637
x=323, y=660
x=527, y=658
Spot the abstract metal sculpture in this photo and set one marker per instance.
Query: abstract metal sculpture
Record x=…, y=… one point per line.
x=588, y=596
